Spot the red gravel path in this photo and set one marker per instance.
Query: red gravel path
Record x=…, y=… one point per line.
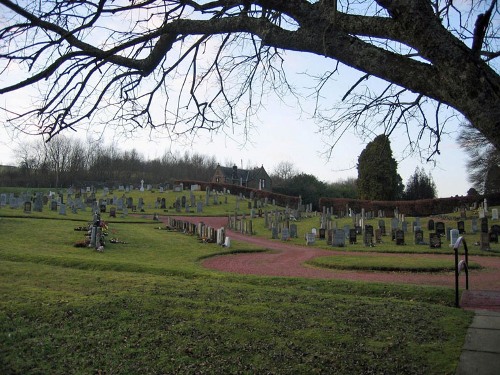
x=288, y=260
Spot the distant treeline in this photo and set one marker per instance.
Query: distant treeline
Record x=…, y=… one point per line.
x=65, y=162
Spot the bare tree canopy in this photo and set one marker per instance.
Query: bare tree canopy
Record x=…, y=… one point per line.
x=186, y=65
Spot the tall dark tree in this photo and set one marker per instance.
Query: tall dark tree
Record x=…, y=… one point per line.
x=483, y=156
x=492, y=181
x=378, y=177
x=118, y=62
x=420, y=186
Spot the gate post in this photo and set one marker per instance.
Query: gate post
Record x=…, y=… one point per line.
x=463, y=264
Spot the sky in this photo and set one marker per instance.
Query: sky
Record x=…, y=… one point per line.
x=280, y=133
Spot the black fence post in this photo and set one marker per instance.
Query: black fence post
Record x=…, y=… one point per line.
x=464, y=264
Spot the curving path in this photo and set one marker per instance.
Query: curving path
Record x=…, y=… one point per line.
x=289, y=260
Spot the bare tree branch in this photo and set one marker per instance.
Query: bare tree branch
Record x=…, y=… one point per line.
x=186, y=65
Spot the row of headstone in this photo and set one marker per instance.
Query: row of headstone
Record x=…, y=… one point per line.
x=240, y=224
x=204, y=232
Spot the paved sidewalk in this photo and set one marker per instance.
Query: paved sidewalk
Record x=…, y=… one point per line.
x=481, y=351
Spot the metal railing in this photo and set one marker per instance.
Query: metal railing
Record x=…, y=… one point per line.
x=459, y=266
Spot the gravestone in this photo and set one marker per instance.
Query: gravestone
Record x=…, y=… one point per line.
x=346, y=231
x=394, y=223
x=285, y=234
x=38, y=203
x=3, y=200
x=220, y=235
x=419, y=237
x=310, y=238
x=112, y=212
x=293, y=231
x=53, y=205
x=368, y=235
x=329, y=237
x=274, y=233
x=381, y=226
x=338, y=238
x=27, y=207
x=322, y=232
x=454, y=234
x=119, y=204
x=352, y=236
x=440, y=228
x=430, y=225
x=494, y=214
x=434, y=240
x=378, y=235
x=62, y=209
x=461, y=227
x=474, y=225
x=400, y=237
x=484, y=225
x=199, y=207
x=163, y=203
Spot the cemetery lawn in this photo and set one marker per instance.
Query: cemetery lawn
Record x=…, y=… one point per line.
x=147, y=306
x=305, y=225
x=387, y=263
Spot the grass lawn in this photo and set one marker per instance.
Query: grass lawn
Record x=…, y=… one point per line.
x=147, y=306
x=387, y=263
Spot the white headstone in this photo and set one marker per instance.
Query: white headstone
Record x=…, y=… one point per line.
x=454, y=234
x=494, y=214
